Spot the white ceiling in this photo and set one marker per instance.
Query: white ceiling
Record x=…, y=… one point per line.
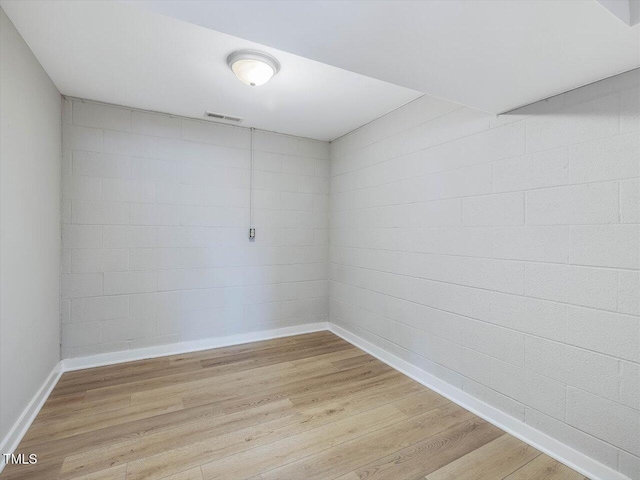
x=115, y=53
x=169, y=56
x=493, y=55
x=627, y=11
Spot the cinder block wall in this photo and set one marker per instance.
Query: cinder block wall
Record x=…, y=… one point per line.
x=500, y=254
x=155, y=230
x=503, y=255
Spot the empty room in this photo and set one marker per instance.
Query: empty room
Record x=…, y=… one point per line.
x=320, y=240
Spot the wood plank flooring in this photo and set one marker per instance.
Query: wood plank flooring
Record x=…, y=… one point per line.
x=298, y=408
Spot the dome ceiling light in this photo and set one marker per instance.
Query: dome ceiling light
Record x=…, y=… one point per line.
x=252, y=67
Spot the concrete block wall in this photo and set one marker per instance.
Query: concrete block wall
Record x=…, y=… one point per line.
x=155, y=230
x=502, y=254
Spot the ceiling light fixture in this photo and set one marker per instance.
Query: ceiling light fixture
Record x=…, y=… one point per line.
x=252, y=67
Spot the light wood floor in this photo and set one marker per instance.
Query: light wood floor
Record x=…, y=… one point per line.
x=298, y=408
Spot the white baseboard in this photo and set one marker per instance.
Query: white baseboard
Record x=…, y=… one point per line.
x=11, y=441
x=80, y=363
x=537, y=439
x=543, y=442
x=17, y=432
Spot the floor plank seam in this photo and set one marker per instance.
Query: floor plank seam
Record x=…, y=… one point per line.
x=310, y=406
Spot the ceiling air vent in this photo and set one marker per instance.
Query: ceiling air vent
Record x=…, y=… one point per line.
x=222, y=116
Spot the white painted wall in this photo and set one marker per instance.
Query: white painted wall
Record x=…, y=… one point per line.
x=155, y=230
x=502, y=255
x=30, y=142
x=499, y=254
